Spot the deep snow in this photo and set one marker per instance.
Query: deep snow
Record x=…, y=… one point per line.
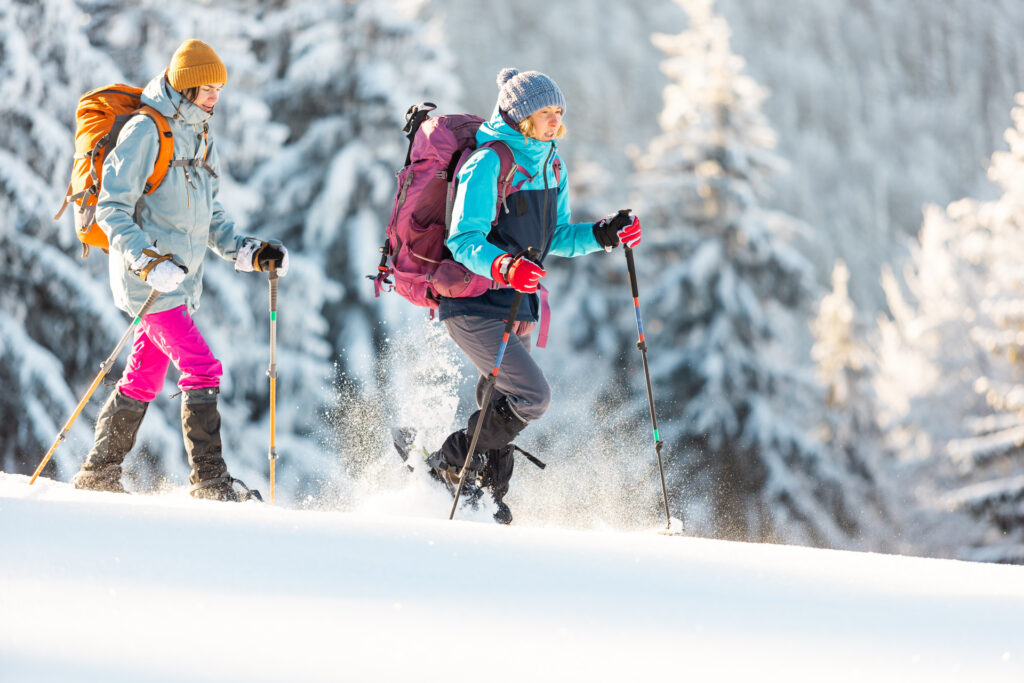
x=109, y=587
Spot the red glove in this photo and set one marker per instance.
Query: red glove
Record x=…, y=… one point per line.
x=630, y=235
x=620, y=228
x=522, y=274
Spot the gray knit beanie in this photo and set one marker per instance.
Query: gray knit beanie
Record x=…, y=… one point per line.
x=522, y=94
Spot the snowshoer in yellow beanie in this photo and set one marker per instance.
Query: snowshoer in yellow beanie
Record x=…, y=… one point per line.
x=159, y=241
x=194, y=64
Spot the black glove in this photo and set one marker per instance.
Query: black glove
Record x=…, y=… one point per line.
x=270, y=253
x=606, y=230
x=255, y=254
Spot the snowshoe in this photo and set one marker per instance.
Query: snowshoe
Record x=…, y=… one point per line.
x=440, y=471
x=403, y=439
x=223, y=489
x=92, y=480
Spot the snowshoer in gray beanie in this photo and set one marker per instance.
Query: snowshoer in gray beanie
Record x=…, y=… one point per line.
x=491, y=241
x=523, y=93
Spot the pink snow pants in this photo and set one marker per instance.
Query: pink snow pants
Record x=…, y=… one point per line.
x=160, y=339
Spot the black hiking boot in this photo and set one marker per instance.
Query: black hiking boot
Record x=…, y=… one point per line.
x=501, y=426
x=448, y=473
x=116, y=428
x=496, y=475
x=200, y=426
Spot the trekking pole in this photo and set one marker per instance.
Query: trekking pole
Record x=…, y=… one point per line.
x=272, y=374
x=485, y=405
x=104, y=369
x=642, y=345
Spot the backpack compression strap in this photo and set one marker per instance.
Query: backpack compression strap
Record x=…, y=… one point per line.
x=197, y=163
x=166, y=152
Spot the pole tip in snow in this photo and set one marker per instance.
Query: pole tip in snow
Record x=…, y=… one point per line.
x=674, y=528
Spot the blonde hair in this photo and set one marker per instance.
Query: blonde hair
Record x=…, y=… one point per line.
x=526, y=127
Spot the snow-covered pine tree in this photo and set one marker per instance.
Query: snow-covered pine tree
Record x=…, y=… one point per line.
x=882, y=108
x=991, y=459
x=927, y=366
x=950, y=370
x=846, y=368
x=731, y=298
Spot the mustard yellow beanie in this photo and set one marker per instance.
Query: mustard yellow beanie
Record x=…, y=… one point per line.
x=195, y=64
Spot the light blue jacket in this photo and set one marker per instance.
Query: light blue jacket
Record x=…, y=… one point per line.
x=477, y=198
x=183, y=216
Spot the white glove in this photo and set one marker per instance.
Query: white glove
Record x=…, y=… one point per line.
x=256, y=254
x=165, y=277
x=161, y=273
x=243, y=259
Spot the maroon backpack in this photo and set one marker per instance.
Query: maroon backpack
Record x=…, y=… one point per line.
x=414, y=251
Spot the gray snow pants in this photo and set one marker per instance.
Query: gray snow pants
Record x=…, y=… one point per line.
x=520, y=379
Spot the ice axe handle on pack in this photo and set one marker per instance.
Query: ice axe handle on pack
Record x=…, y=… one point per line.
x=414, y=118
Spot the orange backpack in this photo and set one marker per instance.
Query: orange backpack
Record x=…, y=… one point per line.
x=99, y=118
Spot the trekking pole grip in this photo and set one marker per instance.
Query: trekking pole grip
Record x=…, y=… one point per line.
x=272, y=278
x=631, y=266
x=620, y=212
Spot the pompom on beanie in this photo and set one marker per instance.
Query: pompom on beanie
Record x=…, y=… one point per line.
x=521, y=94
x=194, y=64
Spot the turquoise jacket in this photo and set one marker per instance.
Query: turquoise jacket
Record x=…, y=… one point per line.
x=477, y=199
x=537, y=215
x=183, y=216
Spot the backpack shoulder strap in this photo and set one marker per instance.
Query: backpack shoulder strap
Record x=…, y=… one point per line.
x=166, y=152
x=506, y=172
x=506, y=157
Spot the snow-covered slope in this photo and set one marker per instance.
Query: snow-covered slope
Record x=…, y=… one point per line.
x=108, y=587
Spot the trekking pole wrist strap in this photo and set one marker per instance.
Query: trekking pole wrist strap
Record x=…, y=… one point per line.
x=155, y=260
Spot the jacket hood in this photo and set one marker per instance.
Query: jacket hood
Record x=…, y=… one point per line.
x=535, y=151
x=159, y=94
